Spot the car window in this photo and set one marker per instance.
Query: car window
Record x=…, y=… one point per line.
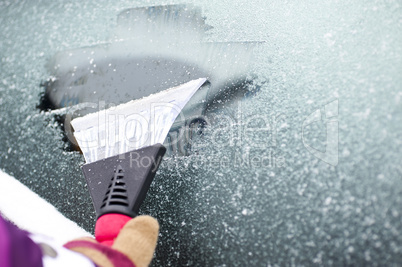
x=302, y=167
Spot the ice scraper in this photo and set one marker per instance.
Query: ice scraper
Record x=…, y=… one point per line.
x=123, y=148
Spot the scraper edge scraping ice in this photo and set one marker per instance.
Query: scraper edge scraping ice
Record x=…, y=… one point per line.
x=121, y=165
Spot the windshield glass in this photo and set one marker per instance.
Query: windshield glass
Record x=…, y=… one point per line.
x=303, y=168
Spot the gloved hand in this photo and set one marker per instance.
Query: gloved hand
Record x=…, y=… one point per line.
x=120, y=241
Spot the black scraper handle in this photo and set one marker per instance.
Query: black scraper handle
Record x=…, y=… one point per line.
x=119, y=184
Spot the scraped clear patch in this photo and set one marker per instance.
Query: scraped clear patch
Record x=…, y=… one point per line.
x=132, y=125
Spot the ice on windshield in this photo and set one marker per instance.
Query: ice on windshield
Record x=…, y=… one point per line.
x=266, y=186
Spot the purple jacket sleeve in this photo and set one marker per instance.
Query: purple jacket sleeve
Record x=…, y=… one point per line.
x=16, y=248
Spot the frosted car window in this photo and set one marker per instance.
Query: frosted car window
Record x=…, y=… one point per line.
x=253, y=194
